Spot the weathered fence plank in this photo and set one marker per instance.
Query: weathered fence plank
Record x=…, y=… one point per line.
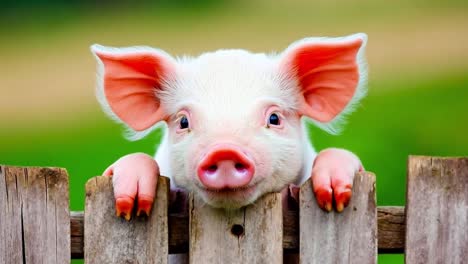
x=437, y=210
x=347, y=237
x=34, y=215
x=10, y=216
x=250, y=235
x=36, y=227
x=110, y=239
x=390, y=222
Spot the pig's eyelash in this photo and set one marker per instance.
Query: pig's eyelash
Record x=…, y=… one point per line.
x=280, y=114
x=178, y=118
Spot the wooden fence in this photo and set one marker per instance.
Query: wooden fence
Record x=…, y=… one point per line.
x=36, y=225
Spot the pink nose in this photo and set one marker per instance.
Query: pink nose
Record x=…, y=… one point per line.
x=225, y=166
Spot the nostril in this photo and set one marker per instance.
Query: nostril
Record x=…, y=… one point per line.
x=239, y=166
x=212, y=168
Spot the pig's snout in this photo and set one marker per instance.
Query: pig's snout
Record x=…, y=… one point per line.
x=225, y=167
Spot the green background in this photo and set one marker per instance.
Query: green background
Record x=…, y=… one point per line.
x=418, y=87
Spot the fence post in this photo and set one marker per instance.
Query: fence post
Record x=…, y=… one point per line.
x=34, y=215
x=437, y=210
x=347, y=237
x=111, y=239
x=253, y=234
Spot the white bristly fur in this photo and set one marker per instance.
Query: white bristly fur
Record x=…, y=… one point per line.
x=226, y=92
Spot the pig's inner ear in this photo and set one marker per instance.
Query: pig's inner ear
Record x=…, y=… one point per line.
x=131, y=79
x=327, y=74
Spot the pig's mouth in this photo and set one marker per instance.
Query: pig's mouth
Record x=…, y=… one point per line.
x=229, y=190
x=229, y=197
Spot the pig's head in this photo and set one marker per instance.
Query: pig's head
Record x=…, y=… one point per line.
x=233, y=117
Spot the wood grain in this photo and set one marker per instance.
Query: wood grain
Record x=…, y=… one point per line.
x=110, y=239
x=34, y=215
x=213, y=239
x=437, y=210
x=390, y=222
x=391, y=227
x=347, y=237
x=36, y=227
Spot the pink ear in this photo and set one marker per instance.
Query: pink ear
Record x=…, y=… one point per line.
x=327, y=73
x=131, y=78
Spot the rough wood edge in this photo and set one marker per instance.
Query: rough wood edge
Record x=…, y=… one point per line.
x=433, y=181
x=391, y=231
x=390, y=221
x=260, y=243
x=148, y=235
x=49, y=185
x=352, y=232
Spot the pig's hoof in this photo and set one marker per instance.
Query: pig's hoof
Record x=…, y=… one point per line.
x=332, y=178
x=332, y=190
x=327, y=197
x=124, y=206
x=324, y=198
x=134, y=178
x=342, y=195
x=144, y=205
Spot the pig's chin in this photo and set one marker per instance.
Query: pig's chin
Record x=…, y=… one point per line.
x=229, y=198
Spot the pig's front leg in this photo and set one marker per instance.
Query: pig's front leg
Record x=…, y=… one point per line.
x=134, y=177
x=332, y=177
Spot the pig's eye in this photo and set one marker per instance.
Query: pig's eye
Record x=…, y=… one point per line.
x=274, y=120
x=183, y=123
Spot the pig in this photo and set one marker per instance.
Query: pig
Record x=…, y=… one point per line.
x=234, y=122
